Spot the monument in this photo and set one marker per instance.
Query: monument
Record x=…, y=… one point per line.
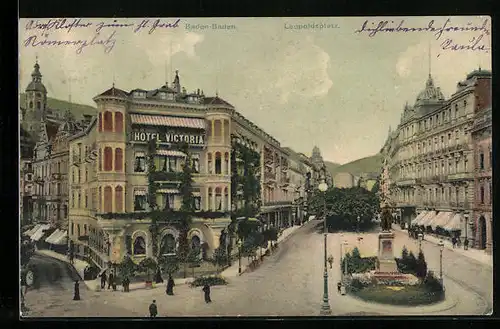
x=387, y=263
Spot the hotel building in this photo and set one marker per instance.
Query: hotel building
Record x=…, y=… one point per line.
x=109, y=171
x=428, y=171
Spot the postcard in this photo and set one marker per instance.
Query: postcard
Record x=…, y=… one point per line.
x=281, y=166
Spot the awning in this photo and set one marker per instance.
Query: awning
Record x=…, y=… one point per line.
x=428, y=218
x=60, y=239
x=40, y=232
x=433, y=221
x=167, y=191
x=168, y=121
x=139, y=192
x=455, y=224
x=418, y=218
x=31, y=231
x=171, y=153
x=51, y=237
x=442, y=219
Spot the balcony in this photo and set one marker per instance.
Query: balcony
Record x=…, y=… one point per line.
x=460, y=176
x=167, y=176
x=278, y=203
x=406, y=182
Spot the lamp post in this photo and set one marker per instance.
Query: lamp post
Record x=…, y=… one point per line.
x=325, y=307
x=345, y=263
x=420, y=237
x=340, y=259
x=239, y=256
x=357, y=224
x=441, y=248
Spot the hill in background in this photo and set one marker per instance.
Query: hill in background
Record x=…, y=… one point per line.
x=371, y=164
x=331, y=166
x=78, y=110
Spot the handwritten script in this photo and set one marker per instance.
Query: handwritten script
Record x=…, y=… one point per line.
x=102, y=33
x=475, y=43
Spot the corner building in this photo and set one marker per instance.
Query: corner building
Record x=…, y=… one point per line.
x=109, y=205
x=429, y=160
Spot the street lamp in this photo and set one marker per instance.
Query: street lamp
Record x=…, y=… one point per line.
x=325, y=307
x=420, y=237
x=239, y=256
x=441, y=248
x=357, y=224
x=345, y=263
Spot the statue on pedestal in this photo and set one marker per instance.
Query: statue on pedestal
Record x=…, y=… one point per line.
x=386, y=220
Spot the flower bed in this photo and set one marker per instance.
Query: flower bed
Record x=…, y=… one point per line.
x=398, y=295
x=215, y=280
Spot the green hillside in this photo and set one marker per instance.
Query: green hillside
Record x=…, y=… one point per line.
x=365, y=165
x=331, y=166
x=56, y=104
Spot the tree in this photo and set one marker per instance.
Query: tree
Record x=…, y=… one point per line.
x=148, y=265
x=219, y=258
x=411, y=264
x=376, y=187
x=421, y=268
x=404, y=253
x=127, y=268
x=169, y=264
x=193, y=258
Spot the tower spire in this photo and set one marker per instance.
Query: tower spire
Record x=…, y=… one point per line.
x=429, y=53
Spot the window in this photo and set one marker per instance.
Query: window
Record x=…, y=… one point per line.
x=86, y=174
x=119, y=199
x=465, y=102
x=226, y=163
x=195, y=163
x=218, y=163
x=78, y=230
x=108, y=121
x=442, y=141
x=167, y=201
x=118, y=122
x=218, y=199
x=226, y=199
x=108, y=159
x=163, y=95
x=73, y=200
x=456, y=111
x=490, y=190
x=38, y=105
x=108, y=199
x=100, y=159
x=140, y=200
x=442, y=167
x=118, y=159
x=491, y=159
x=449, y=139
x=456, y=136
x=86, y=200
x=168, y=244
x=481, y=161
x=172, y=164
x=210, y=206
x=139, y=247
x=140, y=162
x=481, y=194
x=99, y=128
x=65, y=211
x=465, y=164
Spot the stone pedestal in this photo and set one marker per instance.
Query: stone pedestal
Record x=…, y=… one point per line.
x=387, y=264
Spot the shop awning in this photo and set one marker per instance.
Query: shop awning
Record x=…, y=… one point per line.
x=428, y=218
x=31, y=231
x=441, y=219
x=455, y=224
x=139, y=192
x=60, y=239
x=40, y=232
x=167, y=191
x=418, y=218
x=167, y=121
x=171, y=153
x=51, y=237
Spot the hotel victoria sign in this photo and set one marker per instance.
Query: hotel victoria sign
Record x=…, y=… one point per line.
x=168, y=137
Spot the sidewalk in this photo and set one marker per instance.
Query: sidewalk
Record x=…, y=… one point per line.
x=232, y=271
x=475, y=254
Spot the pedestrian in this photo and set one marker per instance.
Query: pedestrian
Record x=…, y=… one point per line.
x=153, y=310
x=339, y=287
x=76, y=295
x=459, y=242
x=110, y=280
x=103, y=280
x=466, y=244
x=330, y=261
x=125, y=283
x=453, y=241
x=71, y=258
x=206, y=290
x=170, y=285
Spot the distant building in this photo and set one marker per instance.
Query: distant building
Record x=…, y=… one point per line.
x=26, y=177
x=344, y=180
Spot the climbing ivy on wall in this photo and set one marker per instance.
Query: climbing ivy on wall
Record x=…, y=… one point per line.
x=152, y=188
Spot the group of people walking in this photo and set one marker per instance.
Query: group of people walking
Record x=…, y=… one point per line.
x=111, y=281
x=414, y=231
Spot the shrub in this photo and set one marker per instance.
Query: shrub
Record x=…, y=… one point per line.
x=358, y=264
x=214, y=280
x=421, y=266
x=356, y=284
x=432, y=284
x=407, y=296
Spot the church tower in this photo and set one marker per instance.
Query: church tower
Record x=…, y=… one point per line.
x=36, y=103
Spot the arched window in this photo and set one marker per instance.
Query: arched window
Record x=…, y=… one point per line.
x=209, y=163
x=226, y=131
x=218, y=199
x=226, y=199
x=99, y=160
x=118, y=159
x=218, y=163
x=195, y=242
x=108, y=197
x=118, y=199
x=108, y=159
x=38, y=105
x=78, y=230
x=217, y=130
x=139, y=247
x=31, y=104
x=168, y=245
x=226, y=163
x=108, y=121
x=481, y=194
x=99, y=127
x=99, y=202
x=210, y=205
x=118, y=122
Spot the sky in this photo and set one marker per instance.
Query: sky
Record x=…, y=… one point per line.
x=315, y=81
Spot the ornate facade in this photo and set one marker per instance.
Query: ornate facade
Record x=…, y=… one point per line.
x=110, y=162
x=428, y=171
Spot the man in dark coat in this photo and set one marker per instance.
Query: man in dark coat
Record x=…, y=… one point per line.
x=170, y=285
x=103, y=280
x=126, y=282
x=110, y=280
x=153, y=310
x=206, y=290
x=339, y=286
x=466, y=244
x=76, y=296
